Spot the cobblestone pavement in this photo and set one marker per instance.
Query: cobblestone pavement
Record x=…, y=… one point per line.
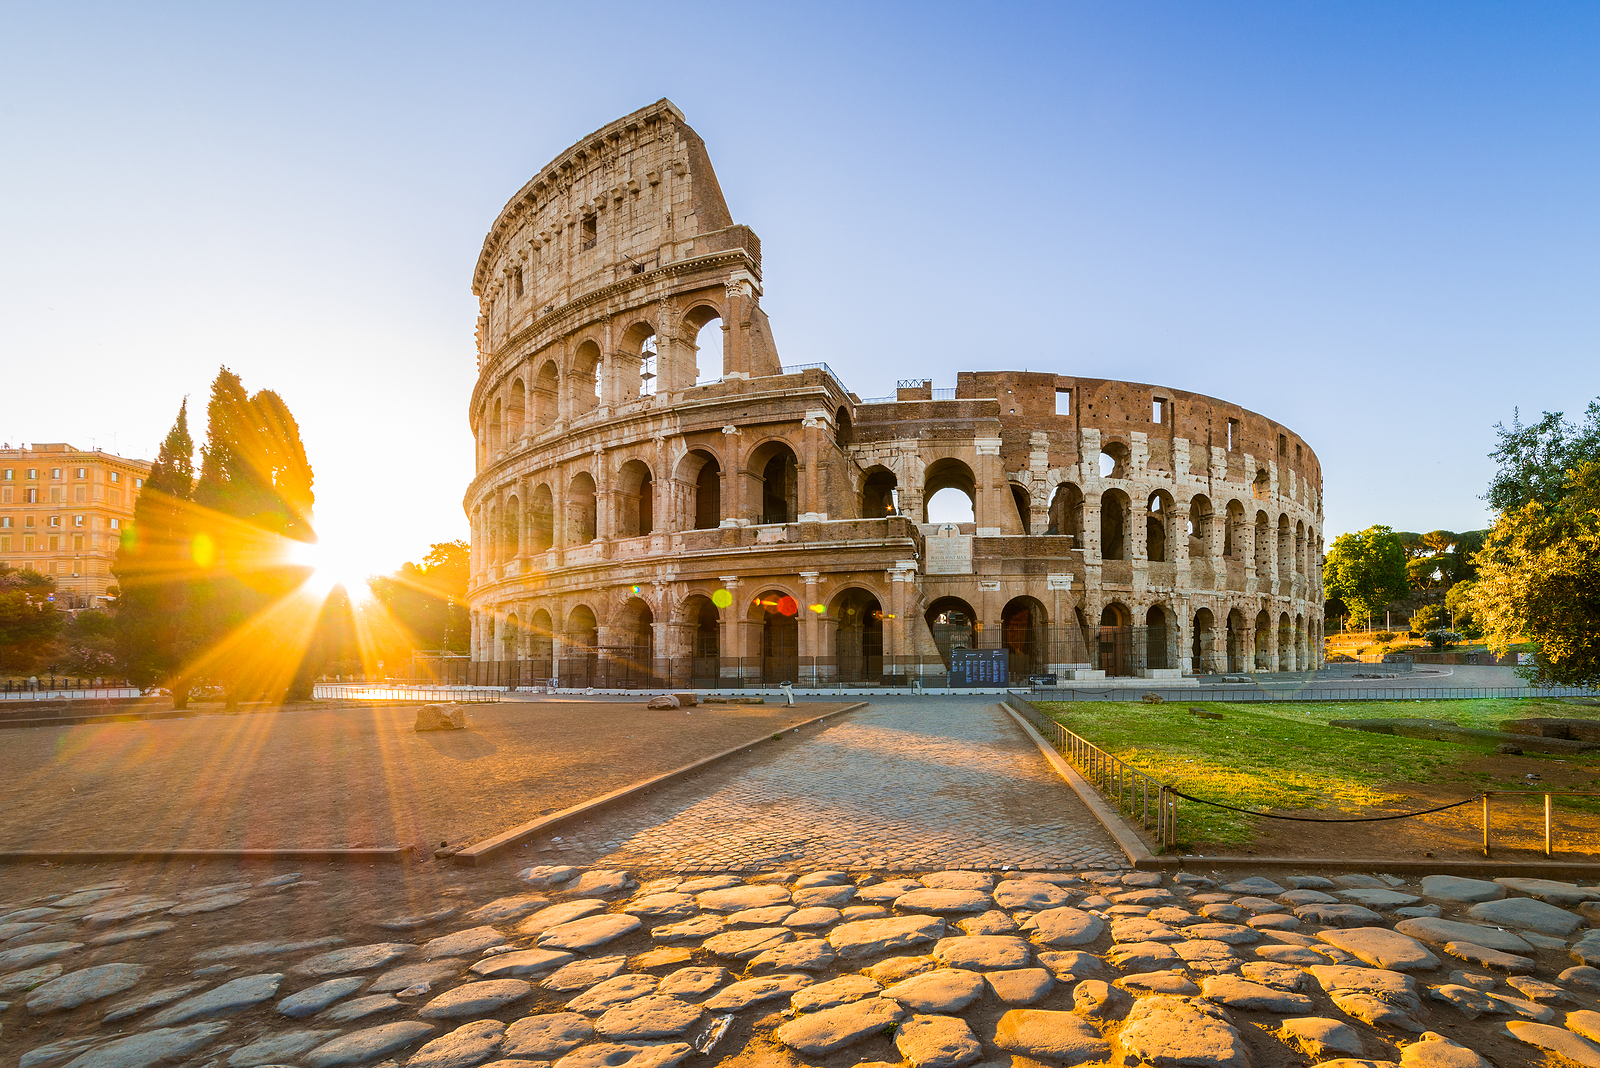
x=907, y=783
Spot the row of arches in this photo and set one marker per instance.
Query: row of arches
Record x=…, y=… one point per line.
x=1259, y=643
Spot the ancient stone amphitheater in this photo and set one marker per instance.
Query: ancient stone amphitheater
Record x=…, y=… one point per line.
x=648, y=512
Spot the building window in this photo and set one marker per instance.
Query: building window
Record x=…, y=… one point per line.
x=116, y=524
x=1283, y=445
x=55, y=521
x=116, y=476
x=1063, y=402
x=1158, y=410
x=77, y=520
x=55, y=473
x=80, y=472
x=28, y=522
x=138, y=483
x=591, y=231
x=5, y=545
x=1297, y=454
x=1233, y=434
x=5, y=521
x=9, y=472
x=33, y=474
x=516, y=280
x=55, y=544
x=5, y=495
x=78, y=495
x=33, y=495
x=27, y=543
x=77, y=543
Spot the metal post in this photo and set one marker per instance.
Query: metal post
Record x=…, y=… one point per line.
x=1486, y=824
x=1547, y=842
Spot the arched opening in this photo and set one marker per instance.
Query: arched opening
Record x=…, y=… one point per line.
x=1114, y=460
x=517, y=412
x=1263, y=657
x=1066, y=513
x=633, y=641
x=1261, y=488
x=949, y=492
x=542, y=519
x=951, y=620
x=1019, y=497
x=497, y=428
x=547, y=396
x=1263, y=553
x=1285, y=549
x=1285, y=643
x=1116, y=640
x=1202, y=648
x=878, y=493
x=580, y=647
x=1302, y=654
x=705, y=323
x=701, y=470
x=540, y=645
x=1024, y=631
x=509, y=633
x=1233, y=531
x=1300, y=550
x=649, y=367
x=1155, y=638
x=775, y=465
x=844, y=431
x=586, y=370
x=511, y=534
x=779, y=616
x=1235, y=645
x=635, y=510
x=858, y=639
x=705, y=642
x=580, y=509
x=1157, y=509
x=491, y=534
x=1114, y=525
x=1200, y=519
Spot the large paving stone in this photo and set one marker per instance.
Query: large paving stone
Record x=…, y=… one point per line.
x=1069, y=964
x=581, y=974
x=521, y=964
x=868, y=938
x=886, y=891
x=466, y=943
x=1065, y=926
x=1254, y=885
x=1434, y=1050
x=267, y=948
x=1389, y=985
x=467, y=1045
x=555, y=915
x=1383, y=948
x=1556, y=1040
x=1165, y=982
x=1057, y=1037
x=741, y=995
x=475, y=999
x=983, y=952
x=1470, y=1002
x=656, y=908
x=550, y=1035
x=1031, y=895
x=652, y=1016
x=57, y=1052
x=152, y=1047
x=368, y=1044
x=1320, y=1038
x=116, y=913
x=1461, y=891
x=1557, y=893
x=694, y=981
x=232, y=996
x=1140, y=929
x=945, y=990
x=1280, y=954
x=361, y=1008
x=1144, y=956
x=590, y=932
x=840, y=991
x=1374, y=1010
x=1339, y=915
x=152, y=999
x=688, y=930
x=831, y=1030
x=1020, y=986
x=937, y=1042
x=1247, y=996
x=959, y=880
x=353, y=959
x=613, y=992
x=812, y=918
x=1383, y=900
x=313, y=999
x=822, y=878
x=1232, y=933
x=627, y=1055
x=1528, y=913
x=738, y=898
x=1437, y=932
x=824, y=896
x=806, y=955
x=742, y=945
x=768, y=916
x=277, y=1048
x=601, y=882
x=1164, y=1030
x=506, y=909
x=83, y=986
x=409, y=975
x=24, y=956
x=1585, y=1022
x=944, y=902
x=1485, y=957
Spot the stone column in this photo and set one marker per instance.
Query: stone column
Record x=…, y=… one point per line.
x=810, y=622
x=1090, y=537
x=810, y=505
x=996, y=514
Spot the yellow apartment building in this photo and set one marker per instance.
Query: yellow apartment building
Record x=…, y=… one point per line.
x=62, y=511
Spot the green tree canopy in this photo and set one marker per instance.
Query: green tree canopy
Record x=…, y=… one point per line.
x=428, y=600
x=1539, y=579
x=1366, y=570
x=29, y=622
x=1537, y=460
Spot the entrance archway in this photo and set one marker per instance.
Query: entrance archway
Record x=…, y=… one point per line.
x=1155, y=638
x=858, y=640
x=1202, y=649
x=1024, y=630
x=779, y=616
x=951, y=620
x=1116, y=640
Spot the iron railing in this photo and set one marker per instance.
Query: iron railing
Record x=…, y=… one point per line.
x=1270, y=692
x=333, y=691
x=796, y=368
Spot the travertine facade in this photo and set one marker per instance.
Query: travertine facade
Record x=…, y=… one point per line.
x=62, y=511
x=1117, y=527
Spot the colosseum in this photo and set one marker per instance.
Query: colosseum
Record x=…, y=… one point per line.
x=660, y=501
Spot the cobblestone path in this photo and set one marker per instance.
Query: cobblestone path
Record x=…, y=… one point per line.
x=909, y=783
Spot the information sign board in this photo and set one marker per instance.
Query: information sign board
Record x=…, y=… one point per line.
x=988, y=668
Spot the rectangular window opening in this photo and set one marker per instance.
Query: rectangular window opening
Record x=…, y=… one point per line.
x=1158, y=410
x=1063, y=402
x=1283, y=445
x=1233, y=434
x=591, y=231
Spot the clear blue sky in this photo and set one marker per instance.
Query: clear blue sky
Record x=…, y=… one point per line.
x=1377, y=223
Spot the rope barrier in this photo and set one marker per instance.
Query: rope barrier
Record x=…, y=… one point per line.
x=1311, y=819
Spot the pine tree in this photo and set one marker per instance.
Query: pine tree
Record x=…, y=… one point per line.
x=154, y=569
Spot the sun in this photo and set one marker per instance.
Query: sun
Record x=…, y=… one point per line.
x=330, y=566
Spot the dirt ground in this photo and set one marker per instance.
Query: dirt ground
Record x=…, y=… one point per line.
x=1516, y=823
x=344, y=777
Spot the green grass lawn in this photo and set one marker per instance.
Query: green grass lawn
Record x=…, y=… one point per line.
x=1284, y=756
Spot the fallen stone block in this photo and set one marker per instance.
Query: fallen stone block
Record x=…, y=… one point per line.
x=441, y=718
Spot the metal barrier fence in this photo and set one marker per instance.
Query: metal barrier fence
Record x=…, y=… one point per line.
x=1128, y=788
x=1270, y=692
x=327, y=691
x=53, y=688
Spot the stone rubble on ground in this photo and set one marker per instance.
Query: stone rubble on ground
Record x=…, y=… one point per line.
x=938, y=970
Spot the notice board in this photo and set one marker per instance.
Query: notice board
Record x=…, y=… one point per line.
x=980, y=667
